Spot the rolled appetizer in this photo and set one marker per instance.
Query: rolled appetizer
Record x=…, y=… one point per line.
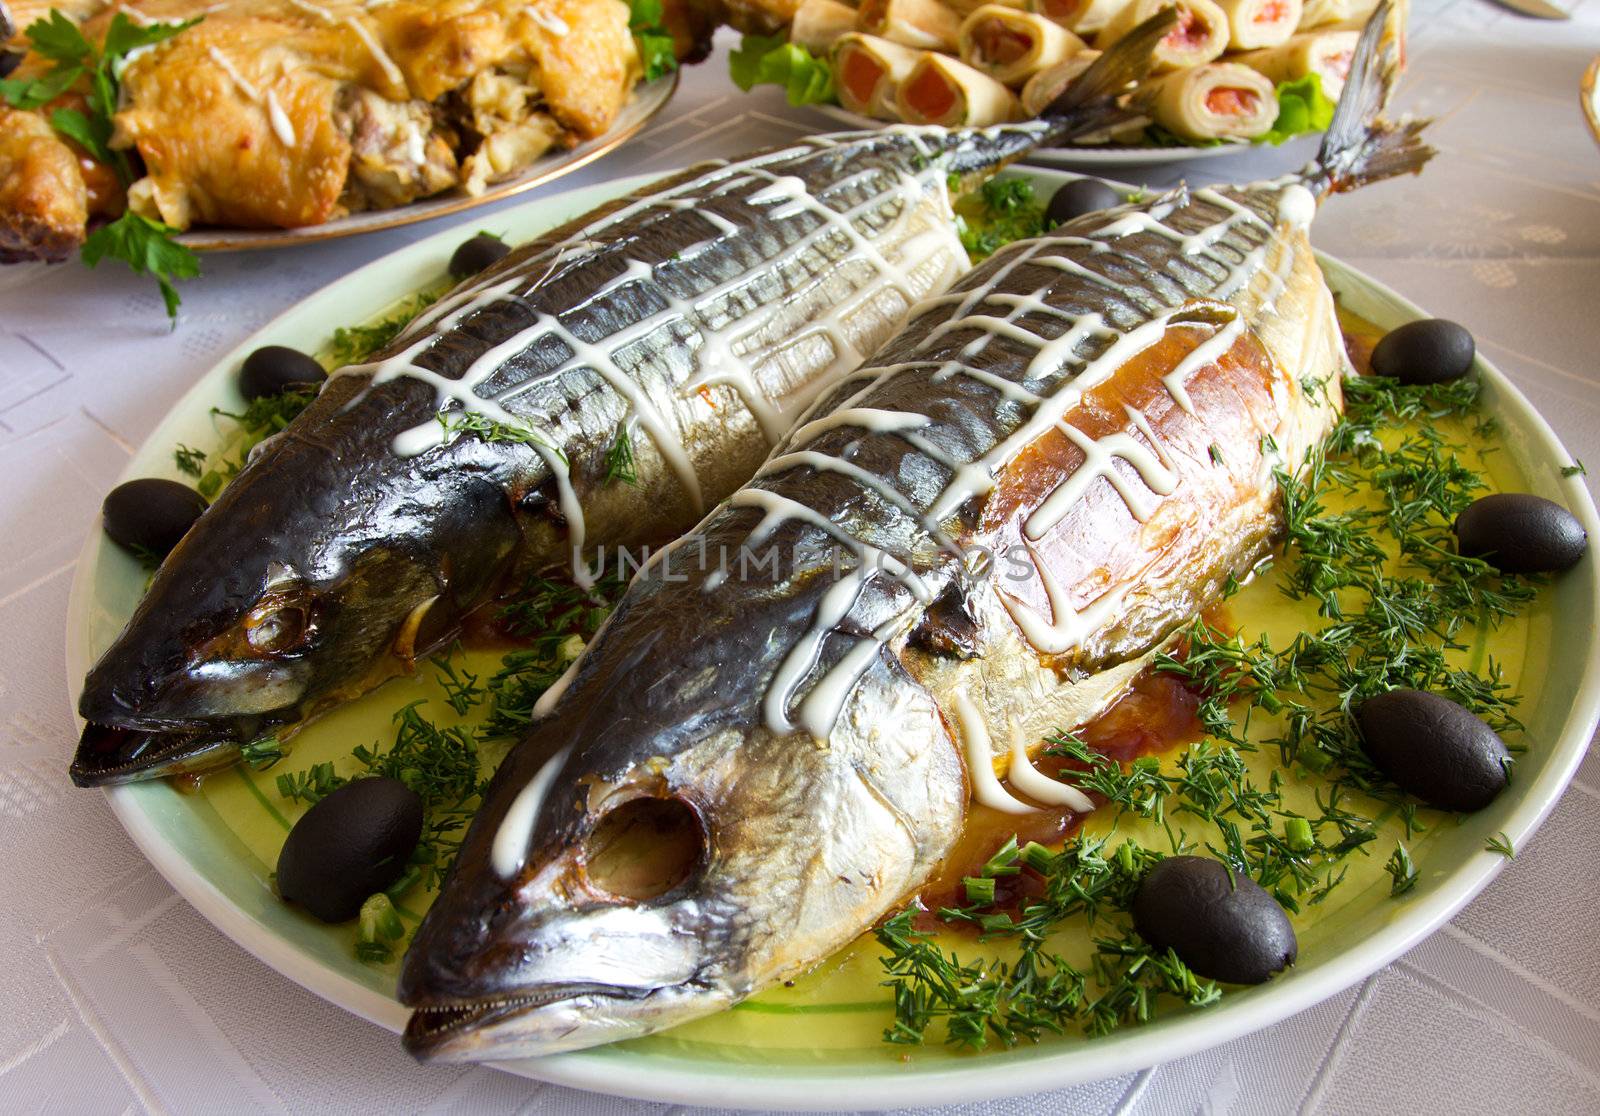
x=1048, y=84
x=1200, y=36
x=1324, y=53
x=1324, y=13
x=1220, y=100
x=1083, y=17
x=818, y=24
x=1253, y=24
x=924, y=24
x=1011, y=46
x=942, y=90
x=868, y=71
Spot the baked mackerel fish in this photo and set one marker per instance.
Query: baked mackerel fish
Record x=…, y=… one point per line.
x=976, y=538
x=699, y=314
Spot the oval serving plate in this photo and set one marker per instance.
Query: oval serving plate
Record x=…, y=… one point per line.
x=649, y=99
x=201, y=857
x=1067, y=158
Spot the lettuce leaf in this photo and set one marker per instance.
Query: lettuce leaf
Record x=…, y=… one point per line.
x=1302, y=107
x=772, y=60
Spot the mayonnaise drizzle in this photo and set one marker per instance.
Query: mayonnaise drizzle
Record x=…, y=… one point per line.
x=979, y=752
x=510, y=849
x=721, y=329
x=1053, y=359
x=1039, y=786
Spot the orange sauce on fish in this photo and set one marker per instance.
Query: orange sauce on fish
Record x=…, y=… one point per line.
x=1155, y=716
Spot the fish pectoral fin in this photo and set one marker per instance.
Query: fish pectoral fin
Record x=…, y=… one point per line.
x=950, y=625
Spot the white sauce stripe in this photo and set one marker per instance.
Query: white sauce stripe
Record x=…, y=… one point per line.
x=1039, y=786
x=510, y=849
x=976, y=747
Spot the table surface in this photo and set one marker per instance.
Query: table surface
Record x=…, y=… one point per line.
x=118, y=997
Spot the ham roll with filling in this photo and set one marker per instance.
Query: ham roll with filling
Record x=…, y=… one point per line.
x=1083, y=17
x=923, y=24
x=1046, y=85
x=1323, y=13
x=942, y=90
x=818, y=24
x=1253, y=24
x=1011, y=46
x=1200, y=36
x=1221, y=100
x=867, y=71
x=1324, y=53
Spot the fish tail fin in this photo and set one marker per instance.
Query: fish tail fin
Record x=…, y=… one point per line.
x=1361, y=146
x=1098, y=98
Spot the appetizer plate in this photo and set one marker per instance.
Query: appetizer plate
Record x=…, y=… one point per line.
x=648, y=99
x=818, y=1063
x=1068, y=158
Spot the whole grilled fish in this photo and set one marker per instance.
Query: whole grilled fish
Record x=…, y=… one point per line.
x=974, y=539
x=700, y=312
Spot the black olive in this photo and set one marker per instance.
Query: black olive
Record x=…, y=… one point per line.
x=150, y=514
x=476, y=254
x=274, y=369
x=1080, y=196
x=352, y=844
x=9, y=61
x=1427, y=352
x=1517, y=532
x=1433, y=748
x=1221, y=925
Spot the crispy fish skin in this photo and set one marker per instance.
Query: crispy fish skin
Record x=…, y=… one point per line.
x=718, y=303
x=1109, y=401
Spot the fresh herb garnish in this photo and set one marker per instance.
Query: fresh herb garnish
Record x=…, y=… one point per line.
x=773, y=60
x=145, y=245
x=998, y=212
x=352, y=344
x=656, y=51
x=1501, y=844
x=481, y=426
x=1576, y=469
x=189, y=460
x=260, y=419
x=619, y=462
x=1402, y=872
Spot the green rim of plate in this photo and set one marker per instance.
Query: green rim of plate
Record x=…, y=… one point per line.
x=202, y=859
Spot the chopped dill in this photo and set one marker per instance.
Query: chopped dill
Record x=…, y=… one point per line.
x=261, y=419
x=1396, y=601
x=353, y=344
x=619, y=463
x=1576, y=469
x=484, y=428
x=1501, y=844
x=189, y=460
x=1000, y=211
x=1401, y=871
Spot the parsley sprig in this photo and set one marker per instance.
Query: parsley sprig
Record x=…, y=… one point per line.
x=656, y=51
x=144, y=245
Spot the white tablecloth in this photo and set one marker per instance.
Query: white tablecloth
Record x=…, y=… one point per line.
x=115, y=996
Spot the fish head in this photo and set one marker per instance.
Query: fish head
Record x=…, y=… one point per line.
x=654, y=852
x=313, y=576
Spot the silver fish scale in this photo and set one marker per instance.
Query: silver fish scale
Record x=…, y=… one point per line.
x=948, y=373
x=731, y=262
x=978, y=386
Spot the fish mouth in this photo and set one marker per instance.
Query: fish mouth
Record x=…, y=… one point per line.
x=109, y=755
x=477, y=1030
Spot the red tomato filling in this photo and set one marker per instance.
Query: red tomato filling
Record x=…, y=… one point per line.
x=1339, y=64
x=859, y=74
x=999, y=44
x=1228, y=100
x=1061, y=10
x=1190, y=33
x=929, y=95
x=1273, y=11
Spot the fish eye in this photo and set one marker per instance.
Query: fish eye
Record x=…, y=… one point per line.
x=276, y=627
x=645, y=847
